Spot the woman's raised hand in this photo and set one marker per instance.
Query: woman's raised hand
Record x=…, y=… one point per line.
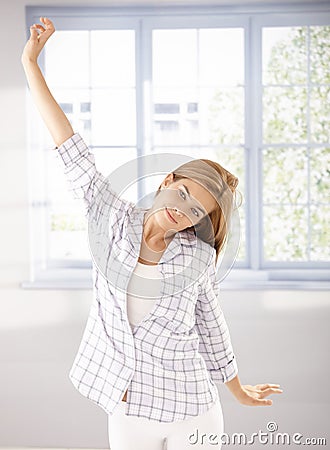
x=56, y=121
x=39, y=34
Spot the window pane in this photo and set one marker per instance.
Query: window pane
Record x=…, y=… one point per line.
x=285, y=226
x=285, y=175
x=112, y=159
x=320, y=175
x=175, y=120
x=285, y=180
x=320, y=235
x=113, y=58
x=222, y=113
x=216, y=118
x=68, y=238
x=67, y=59
x=320, y=54
x=320, y=199
x=174, y=57
x=221, y=57
x=113, y=117
x=284, y=55
x=284, y=118
x=285, y=233
x=204, y=109
x=320, y=114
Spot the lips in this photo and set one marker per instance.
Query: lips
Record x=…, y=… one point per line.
x=170, y=216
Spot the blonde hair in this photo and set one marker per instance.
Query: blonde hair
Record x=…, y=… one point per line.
x=214, y=227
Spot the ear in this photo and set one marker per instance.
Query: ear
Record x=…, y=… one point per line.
x=168, y=180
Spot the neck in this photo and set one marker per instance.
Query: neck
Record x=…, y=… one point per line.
x=153, y=233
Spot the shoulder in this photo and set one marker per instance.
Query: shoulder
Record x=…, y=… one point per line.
x=208, y=252
x=189, y=239
x=192, y=247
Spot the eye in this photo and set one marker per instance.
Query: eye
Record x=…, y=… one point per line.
x=182, y=192
x=197, y=214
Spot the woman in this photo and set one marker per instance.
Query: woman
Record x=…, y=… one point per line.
x=152, y=366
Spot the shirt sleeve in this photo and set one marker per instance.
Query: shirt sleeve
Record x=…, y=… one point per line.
x=214, y=338
x=85, y=181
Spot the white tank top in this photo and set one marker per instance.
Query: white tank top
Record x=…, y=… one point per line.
x=142, y=292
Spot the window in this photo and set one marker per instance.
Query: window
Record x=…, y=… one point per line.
x=295, y=145
x=250, y=90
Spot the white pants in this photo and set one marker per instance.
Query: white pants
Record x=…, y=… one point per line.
x=202, y=432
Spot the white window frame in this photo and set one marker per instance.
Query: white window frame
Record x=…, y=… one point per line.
x=254, y=273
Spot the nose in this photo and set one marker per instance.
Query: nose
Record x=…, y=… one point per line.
x=177, y=212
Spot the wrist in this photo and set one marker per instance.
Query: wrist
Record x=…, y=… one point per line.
x=235, y=387
x=240, y=394
x=28, y=61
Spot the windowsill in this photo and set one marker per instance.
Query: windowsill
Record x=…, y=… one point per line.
x=239, y=279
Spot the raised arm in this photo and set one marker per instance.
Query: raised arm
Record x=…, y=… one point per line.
x=53, y=116
x=78, y=162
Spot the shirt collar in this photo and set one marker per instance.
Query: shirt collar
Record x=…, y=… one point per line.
x=135, y=228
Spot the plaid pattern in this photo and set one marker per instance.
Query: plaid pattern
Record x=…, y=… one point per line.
x=171, y=360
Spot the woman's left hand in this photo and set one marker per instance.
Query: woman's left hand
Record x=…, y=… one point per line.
x=255, y=395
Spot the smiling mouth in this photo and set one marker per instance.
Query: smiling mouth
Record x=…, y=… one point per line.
x=169, y=215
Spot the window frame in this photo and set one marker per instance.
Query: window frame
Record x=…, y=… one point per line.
x=254, y=272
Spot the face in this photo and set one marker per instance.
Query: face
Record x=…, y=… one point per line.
x=182, y=203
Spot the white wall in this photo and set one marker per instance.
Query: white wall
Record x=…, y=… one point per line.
x=279, y=336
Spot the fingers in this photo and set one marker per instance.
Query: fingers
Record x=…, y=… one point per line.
x=267, y=402
x=259, y=402
x=40, y=33
x=47, y=22
x=264, y=388
x=267, y=385
x=269, y=391
x=269, y=388
x=33, y=34
x=39, y=27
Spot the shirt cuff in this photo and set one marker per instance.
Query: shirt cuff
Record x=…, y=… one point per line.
x=225, y=374
x=72, y=149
